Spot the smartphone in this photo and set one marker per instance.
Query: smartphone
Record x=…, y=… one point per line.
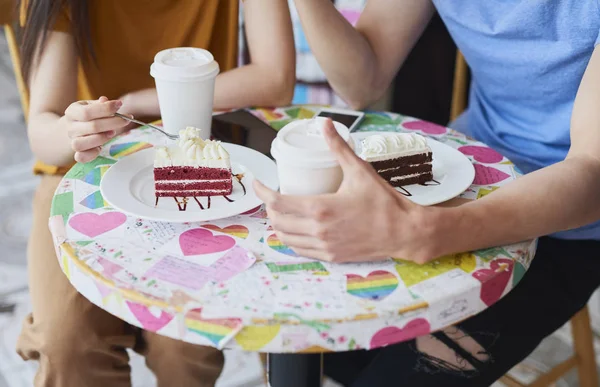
x=243, y=128
x=350, y=118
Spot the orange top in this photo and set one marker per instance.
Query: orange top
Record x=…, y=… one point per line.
x=127, y=34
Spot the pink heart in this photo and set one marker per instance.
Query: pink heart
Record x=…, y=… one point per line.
x=425, y=127
x=92, y=225
x=494, y=280
x=200, y=241
x=488, y=175
x=482, y=154
x=393, y=335
x=148, y=320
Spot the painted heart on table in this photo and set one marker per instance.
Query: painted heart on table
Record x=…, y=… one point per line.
x=275, y=244
x=147, y=319
x=235, y=230
x=482, y=154
x=216, y=330
x=92, y=225
x=392, y=335
x=375, y=286
x=199, y=241
x=494, y=280
x=488, y=175
x=425, y=127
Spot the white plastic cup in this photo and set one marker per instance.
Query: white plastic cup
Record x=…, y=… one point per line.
x=305, y=164
x=185, y=82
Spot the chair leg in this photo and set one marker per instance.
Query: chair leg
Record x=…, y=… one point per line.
x=583, y=341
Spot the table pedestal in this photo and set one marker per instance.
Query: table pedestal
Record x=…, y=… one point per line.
x=294, y=370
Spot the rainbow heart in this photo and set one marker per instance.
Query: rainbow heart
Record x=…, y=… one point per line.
x=218, y=331
x=274, y=243
x=235, y=230
x=375, y=286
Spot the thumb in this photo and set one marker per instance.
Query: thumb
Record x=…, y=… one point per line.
x=340, y=148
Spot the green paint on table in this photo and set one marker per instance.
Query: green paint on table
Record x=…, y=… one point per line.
x=380, y=119
x=277, y=125
x=62, y=204
x=518, y=273
x=79, y=171
x=300, y=113
x=83, y=243
x=305, y=266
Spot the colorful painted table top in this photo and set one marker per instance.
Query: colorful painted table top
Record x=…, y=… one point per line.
x=231, y=283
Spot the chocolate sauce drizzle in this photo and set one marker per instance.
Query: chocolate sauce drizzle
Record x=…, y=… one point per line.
x=199, y=204
x=184, y=200
x=403, y=191
x=430, y=183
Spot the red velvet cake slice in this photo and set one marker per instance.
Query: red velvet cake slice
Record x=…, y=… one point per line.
x=194, y=167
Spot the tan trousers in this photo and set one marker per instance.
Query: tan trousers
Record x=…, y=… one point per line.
x=80, y=345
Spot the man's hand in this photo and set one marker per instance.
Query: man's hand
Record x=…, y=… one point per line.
x=365, y=220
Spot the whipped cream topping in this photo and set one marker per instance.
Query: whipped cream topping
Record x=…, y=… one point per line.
x=191, y=149
x=393, y=143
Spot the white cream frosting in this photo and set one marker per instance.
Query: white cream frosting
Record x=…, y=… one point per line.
x=192, y=150
x=380, y=146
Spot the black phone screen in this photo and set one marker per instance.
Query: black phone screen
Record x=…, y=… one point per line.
x=243, y=128
x=346, y=119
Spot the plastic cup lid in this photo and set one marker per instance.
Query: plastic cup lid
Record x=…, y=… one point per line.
x=302, y=143
x=184, y=64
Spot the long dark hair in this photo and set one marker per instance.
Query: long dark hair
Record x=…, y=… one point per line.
x=40, y=16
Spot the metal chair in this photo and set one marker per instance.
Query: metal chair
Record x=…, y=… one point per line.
x=584, y=357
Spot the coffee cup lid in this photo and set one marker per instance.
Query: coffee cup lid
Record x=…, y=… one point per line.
x=184, y=64
x=302, y=143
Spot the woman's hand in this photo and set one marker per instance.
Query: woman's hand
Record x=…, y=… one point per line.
x=90, y=124
x=141, y=103
x=365, y=220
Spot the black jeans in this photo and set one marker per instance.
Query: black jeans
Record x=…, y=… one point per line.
x=560, y=281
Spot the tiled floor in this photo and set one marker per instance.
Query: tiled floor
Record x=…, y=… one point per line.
x=16, y=189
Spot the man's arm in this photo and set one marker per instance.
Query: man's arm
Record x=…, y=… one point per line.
x=361, y=63
x=560, y=197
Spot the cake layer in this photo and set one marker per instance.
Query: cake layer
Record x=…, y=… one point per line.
x=191, y=193
x=420, y=158
x=411, y=179
x=191, y=173
x=404, y=170
x=193, y=185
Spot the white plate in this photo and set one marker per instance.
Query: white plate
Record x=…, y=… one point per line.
x=451, y=169
x=129, y=187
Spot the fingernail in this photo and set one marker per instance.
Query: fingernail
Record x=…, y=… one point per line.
x=110, y=134
x=118, y=104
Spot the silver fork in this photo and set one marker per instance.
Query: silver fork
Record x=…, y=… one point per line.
x=169, y=135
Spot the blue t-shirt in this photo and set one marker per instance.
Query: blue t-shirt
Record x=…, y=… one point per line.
x=527, y=59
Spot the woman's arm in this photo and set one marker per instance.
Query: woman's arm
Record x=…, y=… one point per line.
x=60, y=130
x=269, y=78
x=52, y=88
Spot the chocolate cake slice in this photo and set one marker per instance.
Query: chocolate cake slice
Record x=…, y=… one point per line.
x=400, y=158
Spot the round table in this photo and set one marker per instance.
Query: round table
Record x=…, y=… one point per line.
x=231, y=284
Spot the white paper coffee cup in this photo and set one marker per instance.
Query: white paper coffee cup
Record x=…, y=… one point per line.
x=305, y=164
x=185, y=82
